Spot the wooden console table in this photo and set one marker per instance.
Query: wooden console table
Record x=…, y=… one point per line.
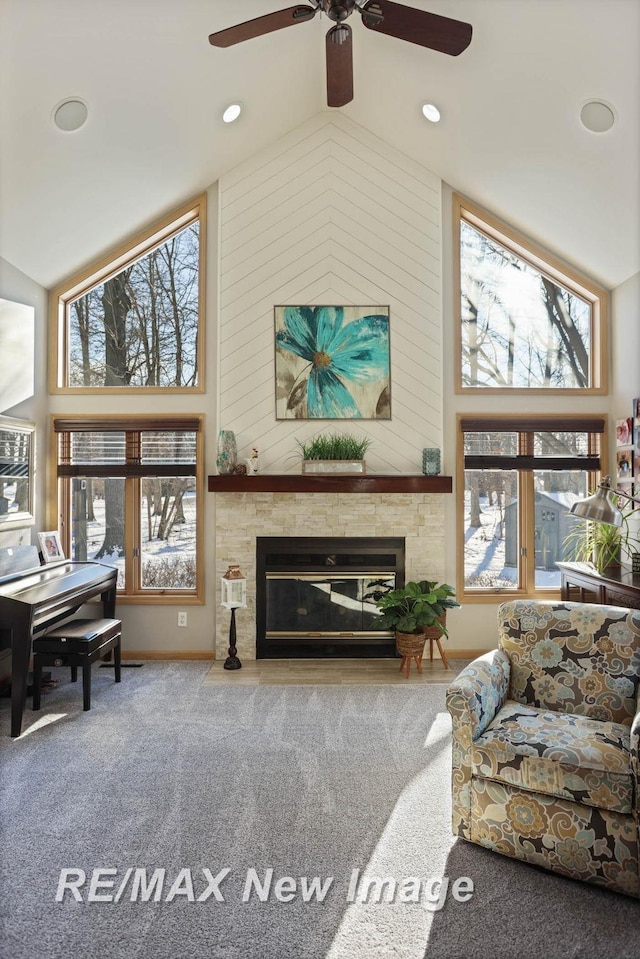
x=617, y=586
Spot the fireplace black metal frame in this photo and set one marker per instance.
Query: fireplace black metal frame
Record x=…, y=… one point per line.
x=327, y=646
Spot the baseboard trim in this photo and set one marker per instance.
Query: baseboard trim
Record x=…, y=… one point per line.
x=189, y=655
x=167, y=654
x=464, y=653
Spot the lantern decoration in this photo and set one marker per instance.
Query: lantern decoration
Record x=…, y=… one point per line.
x=234, y=596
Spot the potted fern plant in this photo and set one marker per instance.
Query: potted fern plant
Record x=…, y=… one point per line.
x=334, y=453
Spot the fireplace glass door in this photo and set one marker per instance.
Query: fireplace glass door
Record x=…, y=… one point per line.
x=312, y=604
x=314, y=595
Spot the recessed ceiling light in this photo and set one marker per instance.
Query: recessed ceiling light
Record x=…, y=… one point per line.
x=597, y=116
x=70, y=114
x=232, y=112
x=431, y=112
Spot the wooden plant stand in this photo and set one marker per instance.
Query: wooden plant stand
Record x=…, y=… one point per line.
x=434, y=635
x=411, y=646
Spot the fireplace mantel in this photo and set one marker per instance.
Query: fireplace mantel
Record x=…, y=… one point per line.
x=356, y=483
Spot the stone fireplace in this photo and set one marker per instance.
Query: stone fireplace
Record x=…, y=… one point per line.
x=243, y=516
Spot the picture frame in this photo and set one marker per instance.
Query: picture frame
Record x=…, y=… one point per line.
x=636, y=411
x=624, y=431
x=625, y=491
x=624, y=465
x=50, y=546
x=332, y=362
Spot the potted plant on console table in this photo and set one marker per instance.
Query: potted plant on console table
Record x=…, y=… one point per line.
x=417, y=612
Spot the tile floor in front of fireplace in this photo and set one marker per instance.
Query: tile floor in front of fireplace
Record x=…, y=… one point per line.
x=331, y=672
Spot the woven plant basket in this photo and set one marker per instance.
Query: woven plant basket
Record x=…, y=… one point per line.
x=434, y=632
x=410, y=644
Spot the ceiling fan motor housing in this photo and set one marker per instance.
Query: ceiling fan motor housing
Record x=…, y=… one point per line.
x=338, y=9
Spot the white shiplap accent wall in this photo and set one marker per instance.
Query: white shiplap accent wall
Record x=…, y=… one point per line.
x=327, y=215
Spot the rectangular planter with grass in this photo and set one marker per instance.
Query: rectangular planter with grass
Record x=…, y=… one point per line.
x=334, y=467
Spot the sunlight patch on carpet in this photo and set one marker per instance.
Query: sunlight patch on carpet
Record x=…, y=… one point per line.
x=439, y=731
x=42, y=722
x=411, y=852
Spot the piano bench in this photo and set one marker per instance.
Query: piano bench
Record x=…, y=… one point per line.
x=78, y=643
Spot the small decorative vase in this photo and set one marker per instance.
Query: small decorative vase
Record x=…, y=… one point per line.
x=431, y=462
x=635, y=563
x=227, y=451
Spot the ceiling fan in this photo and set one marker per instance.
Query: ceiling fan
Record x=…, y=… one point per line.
x=394, y=19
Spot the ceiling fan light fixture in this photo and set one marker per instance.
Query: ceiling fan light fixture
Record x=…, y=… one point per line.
x=431, y=112
x=232, y=112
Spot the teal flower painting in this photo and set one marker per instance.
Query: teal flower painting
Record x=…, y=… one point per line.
x=332, y=362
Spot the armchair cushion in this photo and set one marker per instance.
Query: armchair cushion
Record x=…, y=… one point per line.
x=557, y=754
x=573, y=657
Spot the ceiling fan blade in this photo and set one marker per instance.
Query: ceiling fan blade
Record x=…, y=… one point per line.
x=262, y=25
x=339, y=66
x=417, y=26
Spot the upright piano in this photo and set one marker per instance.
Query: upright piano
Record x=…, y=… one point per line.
x=32, y=600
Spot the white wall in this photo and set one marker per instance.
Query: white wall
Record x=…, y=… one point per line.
x=625, y=348
x=330, y=215
x=626, y=362
x=19, y=288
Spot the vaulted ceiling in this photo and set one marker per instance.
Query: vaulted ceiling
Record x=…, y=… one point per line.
x=510, y=135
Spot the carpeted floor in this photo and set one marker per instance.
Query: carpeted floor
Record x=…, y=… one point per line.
x=167, y=777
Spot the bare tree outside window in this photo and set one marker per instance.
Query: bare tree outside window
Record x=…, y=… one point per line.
x=138, y=486
x=140, y=327
x=519, y=329
x=516, y=516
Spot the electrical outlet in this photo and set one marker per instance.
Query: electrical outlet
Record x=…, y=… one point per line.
x=182, y=619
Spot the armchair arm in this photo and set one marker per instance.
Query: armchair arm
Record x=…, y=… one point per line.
x=634, y=748
x=473, y=700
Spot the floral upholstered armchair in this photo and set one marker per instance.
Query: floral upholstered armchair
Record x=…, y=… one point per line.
x=546, y=732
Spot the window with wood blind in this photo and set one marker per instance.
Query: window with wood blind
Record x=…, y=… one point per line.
x=129, y=492
x=518, y=478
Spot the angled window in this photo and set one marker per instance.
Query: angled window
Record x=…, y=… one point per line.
x=520, y=475
x=129, y=495
x=525, y=321
x=134, y=321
